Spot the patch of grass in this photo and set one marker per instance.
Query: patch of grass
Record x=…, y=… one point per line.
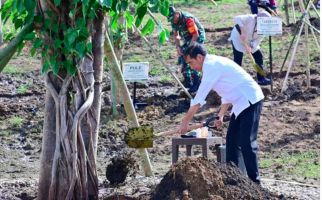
x=167, y=53
x=134, y=58
x=303, y=164
x=266, y=163
x=4, y=133
x=211, y=49
x=156, y=71
x=16, y=121
x=165, y=79
x=22, y=89
x=9, y=69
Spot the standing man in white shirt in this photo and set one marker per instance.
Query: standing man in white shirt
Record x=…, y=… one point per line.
x=244, y=39
x=237, y=89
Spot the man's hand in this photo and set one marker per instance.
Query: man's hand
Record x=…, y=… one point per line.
x=187, y=118
x=223, y=109
x=248, y=48
x=179, y=52
x=183, y=127
x=243, y=38
x=219, y=123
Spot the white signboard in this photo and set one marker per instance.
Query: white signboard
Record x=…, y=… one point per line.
x=269, y=26
x=136, y=71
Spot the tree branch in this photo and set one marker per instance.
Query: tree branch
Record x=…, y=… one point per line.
x=12, y=47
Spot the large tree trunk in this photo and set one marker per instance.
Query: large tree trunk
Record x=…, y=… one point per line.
x=48, y=147
x=72, y=116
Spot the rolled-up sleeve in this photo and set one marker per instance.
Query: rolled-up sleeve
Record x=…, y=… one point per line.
x=209, y=79
x=203, y=91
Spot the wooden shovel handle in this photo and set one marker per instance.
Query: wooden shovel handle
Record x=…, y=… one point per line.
x=173, y=132
x=255, y=65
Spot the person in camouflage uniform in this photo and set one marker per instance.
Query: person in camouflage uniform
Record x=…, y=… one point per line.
x=188, y=28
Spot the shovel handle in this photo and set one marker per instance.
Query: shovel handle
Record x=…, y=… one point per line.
x=173, y=132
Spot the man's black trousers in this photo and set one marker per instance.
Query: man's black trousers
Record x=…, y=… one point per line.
x=242, y=134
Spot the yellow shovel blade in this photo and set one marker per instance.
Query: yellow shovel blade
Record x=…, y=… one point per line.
x=140, y=137
x=259, y=70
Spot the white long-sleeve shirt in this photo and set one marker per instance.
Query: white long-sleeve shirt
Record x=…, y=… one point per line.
x=248, y=22
x=230, y=81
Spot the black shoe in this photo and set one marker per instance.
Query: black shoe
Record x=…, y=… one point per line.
x=264, y=81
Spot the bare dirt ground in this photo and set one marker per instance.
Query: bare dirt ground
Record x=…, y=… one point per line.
x=290, y=124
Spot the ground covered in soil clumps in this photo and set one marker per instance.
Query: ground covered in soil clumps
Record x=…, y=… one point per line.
x=198, y=178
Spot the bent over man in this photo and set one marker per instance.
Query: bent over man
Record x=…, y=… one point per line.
x=244, y=39
x=188, y=28
x=237, y=88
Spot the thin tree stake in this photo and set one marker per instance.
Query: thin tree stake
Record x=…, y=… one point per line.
x=128, y=105
x=294, y=51
x=306, y=45
x=293, y=10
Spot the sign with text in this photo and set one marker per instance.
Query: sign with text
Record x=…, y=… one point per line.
x=136, y=71
x=269, y=26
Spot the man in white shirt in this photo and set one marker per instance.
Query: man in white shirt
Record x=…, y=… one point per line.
x=237, y=88
x=244, y=39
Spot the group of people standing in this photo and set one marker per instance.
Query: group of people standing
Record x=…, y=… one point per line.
x=244, y=38
x=203, y=72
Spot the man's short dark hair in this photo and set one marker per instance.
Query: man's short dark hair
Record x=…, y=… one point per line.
x=194, y=50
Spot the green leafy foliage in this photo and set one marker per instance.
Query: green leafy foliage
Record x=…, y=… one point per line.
x=20, y=12
x=164, y=36
x=148, y=28
x=66, y=26
x=140, y=12
x=129, y=19
x=107, y=3
x=164, y=8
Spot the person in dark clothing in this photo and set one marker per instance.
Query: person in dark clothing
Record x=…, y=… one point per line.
x=254, y=4
x=188, y=28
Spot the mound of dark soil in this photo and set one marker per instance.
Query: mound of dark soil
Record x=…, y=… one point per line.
x=198, y=178
x=120, y=167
